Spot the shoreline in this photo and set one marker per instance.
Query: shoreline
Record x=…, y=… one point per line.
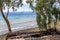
x=2, y=37
x=20, y=26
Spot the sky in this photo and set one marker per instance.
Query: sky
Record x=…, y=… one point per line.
x=56, y=5
x=24, y=8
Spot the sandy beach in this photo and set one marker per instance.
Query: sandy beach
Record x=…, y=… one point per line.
x=2, y=37
x=49, y=37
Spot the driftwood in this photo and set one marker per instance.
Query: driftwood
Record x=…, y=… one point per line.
x=34, y=34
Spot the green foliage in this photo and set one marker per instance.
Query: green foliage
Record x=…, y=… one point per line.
x=6, y=0
x=20, y=2
x=44, y=12
x=11, y=4
x=42, y=6
x=47, y=5
x=0, y=3
x=30, y=3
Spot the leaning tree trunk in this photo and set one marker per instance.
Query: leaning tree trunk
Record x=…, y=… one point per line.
x=6, y=20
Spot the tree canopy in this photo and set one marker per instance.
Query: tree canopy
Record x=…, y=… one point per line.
x=44, y=11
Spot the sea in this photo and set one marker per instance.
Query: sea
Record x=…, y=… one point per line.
x=18, y=21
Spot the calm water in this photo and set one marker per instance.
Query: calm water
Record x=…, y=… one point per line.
x=15, y=18
x=19, y=15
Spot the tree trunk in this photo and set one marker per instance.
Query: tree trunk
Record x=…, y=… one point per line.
x=6, y=20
